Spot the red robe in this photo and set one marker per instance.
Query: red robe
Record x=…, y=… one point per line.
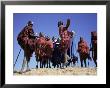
x=44, y=48
x=25, y=41
x=83, y=47
x=65, y=38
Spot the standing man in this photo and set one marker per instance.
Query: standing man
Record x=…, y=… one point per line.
x=83, y=50
x=82, y=46
x=65, y=36
x=26, y=41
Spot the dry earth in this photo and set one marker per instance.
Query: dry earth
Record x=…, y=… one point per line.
x=59, y=71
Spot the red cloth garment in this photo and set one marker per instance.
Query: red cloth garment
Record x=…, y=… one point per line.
x=65, y=37
x=41, y=41
x=49, y=44
x=48, y=48
x=83, y=47
x=44, y=48
x=25, y=41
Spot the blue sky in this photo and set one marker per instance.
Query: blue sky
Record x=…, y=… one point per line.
x=81, y=23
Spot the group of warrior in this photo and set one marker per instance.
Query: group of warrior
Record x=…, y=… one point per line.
x=54, y=50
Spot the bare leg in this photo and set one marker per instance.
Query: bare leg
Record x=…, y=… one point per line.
x=23, y=64
x=40, y=64
x=37, y=62
x=44, y=63
x=95, y=62
x=63, y=65
x=85, y=62
x=65, y=58
x=88, y=63
x=37, y=65
x=81, y=62
x=49, y=64
x=71, y=64
x=60, y=65
x=27, y=66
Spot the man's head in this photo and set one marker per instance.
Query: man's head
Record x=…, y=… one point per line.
x=41, y=34
x=72, y=33
x=94, y=33
x=30, y=23
x=53, y=38
x=58, y=40
x=60, y=23
x=47, y=38
x=81, y=39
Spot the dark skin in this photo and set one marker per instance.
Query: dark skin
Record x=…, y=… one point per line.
x=31, y=32
x=67, y=24
x=81, y=39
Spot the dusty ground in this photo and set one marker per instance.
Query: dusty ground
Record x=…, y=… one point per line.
x=59, y=71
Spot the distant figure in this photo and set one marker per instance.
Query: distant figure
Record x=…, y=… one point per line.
x=93, y=46
x=83, y=50
x=26, y=41
x=65, y=36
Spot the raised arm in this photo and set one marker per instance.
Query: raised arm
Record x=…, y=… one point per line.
x=68, y=23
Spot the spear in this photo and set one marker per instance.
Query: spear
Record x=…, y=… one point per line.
x=17, y=58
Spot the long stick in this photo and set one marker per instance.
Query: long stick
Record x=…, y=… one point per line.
x=72, y=48
x=17, y=58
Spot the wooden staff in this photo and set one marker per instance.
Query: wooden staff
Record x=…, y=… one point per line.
x=17, y=58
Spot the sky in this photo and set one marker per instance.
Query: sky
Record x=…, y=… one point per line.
x=82, y=23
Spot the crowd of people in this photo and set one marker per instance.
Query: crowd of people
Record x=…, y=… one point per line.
x=54, y=50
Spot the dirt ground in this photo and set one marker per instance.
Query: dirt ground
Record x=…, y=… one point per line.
x=59, y=71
